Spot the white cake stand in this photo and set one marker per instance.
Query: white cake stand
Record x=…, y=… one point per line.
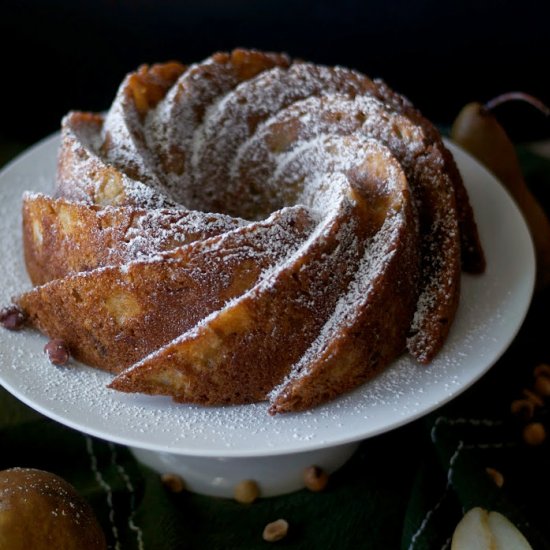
x=215, y=448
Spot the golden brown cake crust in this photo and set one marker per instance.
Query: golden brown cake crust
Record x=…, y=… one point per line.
x=206, y=366
x=113, y=316
x=249, y=228
x=62, y=237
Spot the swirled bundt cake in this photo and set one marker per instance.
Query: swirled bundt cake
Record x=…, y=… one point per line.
x=249, y=228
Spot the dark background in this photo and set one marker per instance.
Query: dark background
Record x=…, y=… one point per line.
x=61, y=55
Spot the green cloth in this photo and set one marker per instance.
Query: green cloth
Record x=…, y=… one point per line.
x=403, y=489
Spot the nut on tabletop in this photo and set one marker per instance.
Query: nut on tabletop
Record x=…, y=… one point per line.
x=542, y=385
x=246, y=491
x=533, y=397
x=276, y=530
x=496, y=476
x=524, y=408
x=534, y=434
x=542, y=370
x=315, y=478
x=173, y=482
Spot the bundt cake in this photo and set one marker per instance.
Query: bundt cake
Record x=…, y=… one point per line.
x=249, y=228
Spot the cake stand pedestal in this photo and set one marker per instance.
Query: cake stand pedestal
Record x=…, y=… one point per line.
x=275, y=475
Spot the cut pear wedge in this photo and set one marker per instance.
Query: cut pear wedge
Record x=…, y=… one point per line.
x=480, y=529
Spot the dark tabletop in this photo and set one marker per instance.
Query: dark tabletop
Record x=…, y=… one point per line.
x=413, y=484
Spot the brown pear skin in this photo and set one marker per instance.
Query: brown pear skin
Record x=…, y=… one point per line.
x=478, y=131
x=41, y=511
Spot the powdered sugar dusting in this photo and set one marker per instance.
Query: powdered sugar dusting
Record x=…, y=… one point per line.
x=378, y=252
x=302, y=140
x=123, y=141
x=491, y=310
x=233, y=118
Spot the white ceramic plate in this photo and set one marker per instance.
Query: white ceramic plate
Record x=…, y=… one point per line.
x=491, y=311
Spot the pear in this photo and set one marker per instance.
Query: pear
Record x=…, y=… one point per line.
x=483, y=530
x=478, y=131
x=42, y=511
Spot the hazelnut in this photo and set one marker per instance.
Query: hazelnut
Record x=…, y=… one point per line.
x=12, y=318
x=276, y=530
x=173, y=482
x=246, y=492
x=523, y=408
x=542, y=385
x=534, y=434
x=57, y=352
x=315, y=478
x=542, y=370
x=496, y=476
x=532, y=396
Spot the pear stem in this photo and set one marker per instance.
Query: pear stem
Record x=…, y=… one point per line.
x=518, y=96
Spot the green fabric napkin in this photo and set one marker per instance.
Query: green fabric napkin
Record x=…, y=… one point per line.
x=405, y=489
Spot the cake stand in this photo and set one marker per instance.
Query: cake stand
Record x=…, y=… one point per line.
x=215, y=448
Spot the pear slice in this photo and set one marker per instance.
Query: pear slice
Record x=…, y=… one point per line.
x=506, y=534
x=483, y=530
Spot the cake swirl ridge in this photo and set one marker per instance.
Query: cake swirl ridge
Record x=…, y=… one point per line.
x=249, y=228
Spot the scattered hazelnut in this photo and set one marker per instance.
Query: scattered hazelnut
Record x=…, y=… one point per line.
x=315, y=478
x=12, y=318
x=523, y=407
x=276, y=530
x=534, y=433
x=533, y=397
x=496, y=476
x=542, y=385
x=57, y=352
x=173, y=482
x=246, y=492
x=542, y=370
